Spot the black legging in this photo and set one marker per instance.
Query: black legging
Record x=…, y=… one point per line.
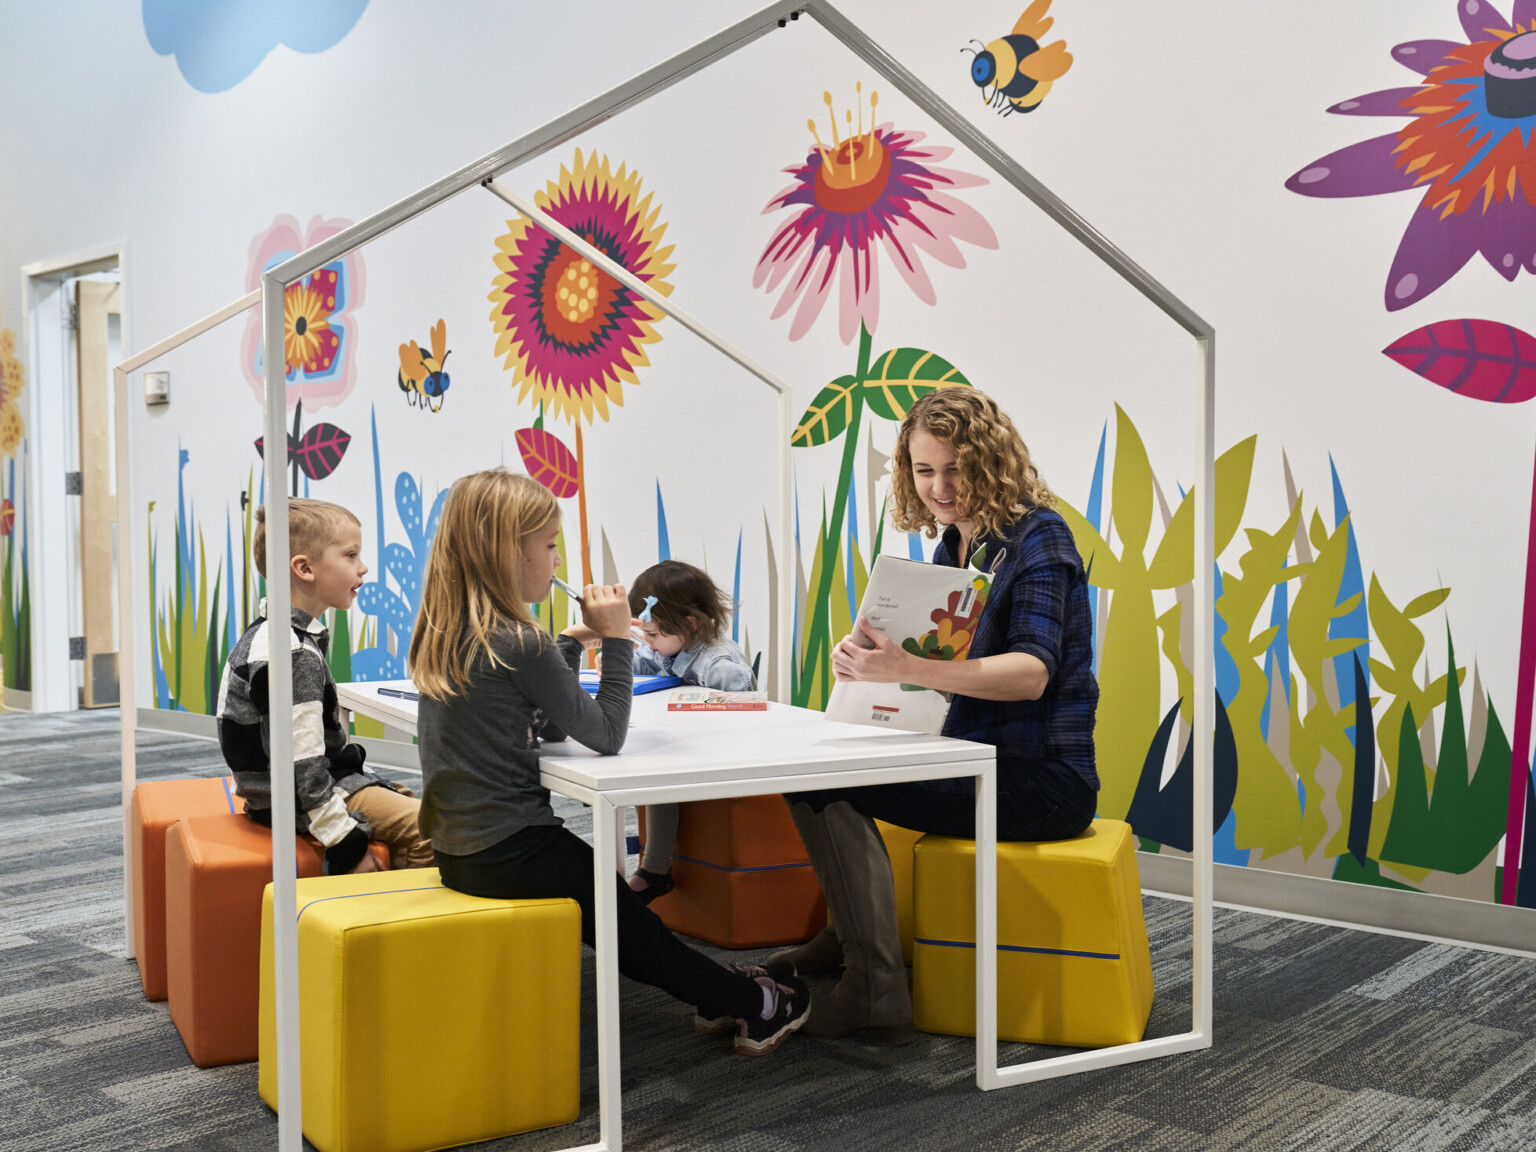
x=547, y=861
x=1036, y=800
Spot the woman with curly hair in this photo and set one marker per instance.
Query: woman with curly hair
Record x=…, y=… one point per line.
x=1027, y=687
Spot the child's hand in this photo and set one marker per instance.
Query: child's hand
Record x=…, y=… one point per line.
x=366, y=864
x=605, y=610
x=582, y=635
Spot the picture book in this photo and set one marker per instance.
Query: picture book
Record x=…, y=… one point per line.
x=712, y=700
x=932, y=611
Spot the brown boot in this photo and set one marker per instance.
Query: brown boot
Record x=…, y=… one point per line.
x=872, y=999
x=823, y=952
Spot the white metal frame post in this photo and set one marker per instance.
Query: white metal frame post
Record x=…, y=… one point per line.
x=484, y=171
x=126, y=600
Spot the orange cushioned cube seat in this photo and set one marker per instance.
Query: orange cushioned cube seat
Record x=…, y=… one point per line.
x=156, y=805
x=743, y=877
x=215, y=870
x=427, y=1018
x=1073, y=966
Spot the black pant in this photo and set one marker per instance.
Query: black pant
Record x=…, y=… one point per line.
x=1036, y=800
x=546, y=861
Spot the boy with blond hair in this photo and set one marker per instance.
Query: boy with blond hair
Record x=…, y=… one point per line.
x=340, y=802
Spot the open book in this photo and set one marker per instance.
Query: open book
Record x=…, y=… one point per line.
x=932, y=611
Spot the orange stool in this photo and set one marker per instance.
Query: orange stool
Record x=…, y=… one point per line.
x=743, y=877
x=156, y=805
x=215, y=870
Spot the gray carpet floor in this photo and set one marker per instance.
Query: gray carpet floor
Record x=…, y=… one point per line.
x=1325, y=1038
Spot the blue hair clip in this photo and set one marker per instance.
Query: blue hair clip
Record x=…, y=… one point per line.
x=650, y=602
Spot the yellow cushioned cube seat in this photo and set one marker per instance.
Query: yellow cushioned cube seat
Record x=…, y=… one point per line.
x=428, y=1018
x=1073, y=965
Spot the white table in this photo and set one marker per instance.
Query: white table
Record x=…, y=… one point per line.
x=672, y=757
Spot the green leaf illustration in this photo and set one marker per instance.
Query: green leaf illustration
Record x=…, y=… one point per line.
x=828, y=414
x=898, y=377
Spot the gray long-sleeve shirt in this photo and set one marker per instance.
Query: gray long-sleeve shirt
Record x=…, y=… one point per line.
x=480, y=748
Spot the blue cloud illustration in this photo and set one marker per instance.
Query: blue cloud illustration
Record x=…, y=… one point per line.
x=218, y=45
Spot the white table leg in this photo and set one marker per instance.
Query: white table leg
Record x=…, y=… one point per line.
x=620, y=840
x=609, y=1103
x=986, y=929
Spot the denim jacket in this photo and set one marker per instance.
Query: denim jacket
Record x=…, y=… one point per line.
x=719, y=664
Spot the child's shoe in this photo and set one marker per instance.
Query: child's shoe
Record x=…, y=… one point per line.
x=657, y=884
x=720, y=1025
x=790, y=1008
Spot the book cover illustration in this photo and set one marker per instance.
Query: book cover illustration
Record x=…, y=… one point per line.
x=713, y=700
x=932, y=611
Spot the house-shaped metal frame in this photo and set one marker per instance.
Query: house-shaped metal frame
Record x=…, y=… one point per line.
x=485, y=172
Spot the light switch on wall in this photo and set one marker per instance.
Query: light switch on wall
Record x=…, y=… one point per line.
x=157, y=387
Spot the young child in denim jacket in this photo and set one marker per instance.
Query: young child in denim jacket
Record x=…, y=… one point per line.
x=679, y=620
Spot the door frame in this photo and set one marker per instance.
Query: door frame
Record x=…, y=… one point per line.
x=51, y=432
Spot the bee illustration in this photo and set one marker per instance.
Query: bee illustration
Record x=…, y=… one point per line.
x=1016, y=69
x=422, y=378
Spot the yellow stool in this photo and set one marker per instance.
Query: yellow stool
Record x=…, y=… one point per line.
x=428, y=1018
x=899, y=843
x=1073, y=966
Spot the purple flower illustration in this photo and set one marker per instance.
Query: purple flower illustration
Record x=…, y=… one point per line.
x=1467, y=147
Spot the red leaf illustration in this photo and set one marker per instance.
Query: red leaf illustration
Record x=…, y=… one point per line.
x=321, y=449
x=1482, y=359
x=548, y=461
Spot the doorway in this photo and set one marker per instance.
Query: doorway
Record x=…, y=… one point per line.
x=75, y=329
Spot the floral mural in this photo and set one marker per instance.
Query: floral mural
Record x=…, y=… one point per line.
x=15, y=589
x=1494, y=362
x=876, y=194
x=572, y=335
x=319, y=324
x=1467, y=150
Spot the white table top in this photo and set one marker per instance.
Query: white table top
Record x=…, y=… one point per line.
x=693, y=750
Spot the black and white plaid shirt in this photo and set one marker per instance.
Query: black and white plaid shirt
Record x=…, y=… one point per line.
x=326, y=767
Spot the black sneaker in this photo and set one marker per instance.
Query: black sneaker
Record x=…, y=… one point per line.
x=791, y=1008
x=720, y=1025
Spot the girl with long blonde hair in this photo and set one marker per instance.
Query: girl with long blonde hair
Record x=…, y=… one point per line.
x=493, y=687
x=960, y=471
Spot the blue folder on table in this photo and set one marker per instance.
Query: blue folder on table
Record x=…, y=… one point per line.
x=643, y=684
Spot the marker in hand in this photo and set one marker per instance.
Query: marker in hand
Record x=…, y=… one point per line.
x=568, y=590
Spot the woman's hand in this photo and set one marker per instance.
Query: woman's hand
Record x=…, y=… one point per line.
x=605, y=610
x=869, y=654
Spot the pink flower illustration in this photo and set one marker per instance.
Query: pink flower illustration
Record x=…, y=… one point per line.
x=874, y=189
x=319, y=327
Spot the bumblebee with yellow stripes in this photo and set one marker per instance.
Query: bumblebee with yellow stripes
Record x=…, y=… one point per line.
x=1014, y=72
x=421, y=377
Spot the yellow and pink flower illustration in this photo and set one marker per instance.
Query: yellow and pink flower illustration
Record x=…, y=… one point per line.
x=319, y=325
